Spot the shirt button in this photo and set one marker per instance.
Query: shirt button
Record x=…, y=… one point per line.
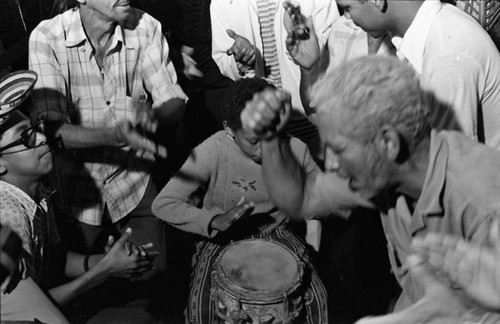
x=108, y=103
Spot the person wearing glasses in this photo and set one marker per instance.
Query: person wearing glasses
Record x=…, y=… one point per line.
x=25, y=207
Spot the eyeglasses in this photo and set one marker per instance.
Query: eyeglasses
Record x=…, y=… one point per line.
x=28, y=138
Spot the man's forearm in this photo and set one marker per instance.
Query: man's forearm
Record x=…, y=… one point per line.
x=75, y=263
x=309, y=76
x=79, y=137
x=67, y=292
x=283, y=176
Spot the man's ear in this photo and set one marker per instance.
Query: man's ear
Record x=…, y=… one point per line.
x=381, y=5
x=388, y=143
x=228, y=130
x=3, y=167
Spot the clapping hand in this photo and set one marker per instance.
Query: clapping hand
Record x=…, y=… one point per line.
x=301, y=41
x=439, y=305
x=222, y=222
x=190, y=66
x=135, y=137
x=124, y=259
x=267, y=113
x=474, y=268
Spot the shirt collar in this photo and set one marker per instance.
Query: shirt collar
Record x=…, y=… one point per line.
x=76, y=34
x=412, y=45
x=26, y=201
x=430, y=201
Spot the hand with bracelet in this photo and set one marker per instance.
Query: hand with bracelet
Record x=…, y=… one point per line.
x=123, y=258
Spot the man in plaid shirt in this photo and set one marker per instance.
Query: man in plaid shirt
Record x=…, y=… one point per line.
x=105, y=85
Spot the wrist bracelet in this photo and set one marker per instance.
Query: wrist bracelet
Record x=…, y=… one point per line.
x=86, y=263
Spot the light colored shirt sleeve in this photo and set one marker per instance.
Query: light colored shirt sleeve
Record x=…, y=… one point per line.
x=457, y=81
x=220, y=10
x=325, y=13
x=49, y=92
x=178, y=202
x=158, y=71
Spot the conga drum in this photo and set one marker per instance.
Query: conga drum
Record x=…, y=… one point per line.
x=258, y=281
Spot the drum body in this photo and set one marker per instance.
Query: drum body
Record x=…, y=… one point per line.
x=258, y=281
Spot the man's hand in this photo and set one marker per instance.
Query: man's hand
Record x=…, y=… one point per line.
x=222, y=222
x=127, y=134
x=190, y=66
x=145, y=115
x=242, y=50
x=474, y=268
x=131, y=247
x=439, y=305
x=267, y=113
x=122, y=261
x=301, y=41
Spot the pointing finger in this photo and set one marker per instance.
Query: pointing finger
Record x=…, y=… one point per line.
x=231, y=33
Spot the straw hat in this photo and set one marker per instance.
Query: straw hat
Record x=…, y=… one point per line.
x=15, y=87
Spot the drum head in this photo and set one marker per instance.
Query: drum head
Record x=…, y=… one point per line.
x=260, y=265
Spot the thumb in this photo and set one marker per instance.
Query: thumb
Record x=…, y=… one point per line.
x=241, y=201
x=125, y=236
x=109, y=243
x=231, y=33
x=187, y=50
x=283, y=96
x=308, y=21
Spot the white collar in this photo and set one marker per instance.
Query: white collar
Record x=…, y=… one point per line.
x=412, y=45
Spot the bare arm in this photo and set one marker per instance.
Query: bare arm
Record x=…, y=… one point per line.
x=309, y=76
x=79, y=137
x=119, y=261
x=280, y=169
x=291, y=187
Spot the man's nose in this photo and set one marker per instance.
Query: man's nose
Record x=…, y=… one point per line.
x=331, y=161
x=40, y=139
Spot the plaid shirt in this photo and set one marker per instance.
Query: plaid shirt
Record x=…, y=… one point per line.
x=72, y=88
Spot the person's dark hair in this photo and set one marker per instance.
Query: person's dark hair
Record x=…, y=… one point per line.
x=237, y=95
x=61, y=6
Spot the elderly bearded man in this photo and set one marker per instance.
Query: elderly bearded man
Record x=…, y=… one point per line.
x=380, y=149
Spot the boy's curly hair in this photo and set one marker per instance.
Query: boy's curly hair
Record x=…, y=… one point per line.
x=237, y=95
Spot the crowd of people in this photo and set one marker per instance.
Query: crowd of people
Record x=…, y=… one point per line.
x=322, y=109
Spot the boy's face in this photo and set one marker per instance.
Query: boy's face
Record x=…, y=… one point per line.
x=28, y=154
x=249, y=144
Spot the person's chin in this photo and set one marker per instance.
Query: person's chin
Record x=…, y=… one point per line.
x=256, y=159
x=376, y=34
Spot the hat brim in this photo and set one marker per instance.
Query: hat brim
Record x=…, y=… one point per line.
x=15, y=87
